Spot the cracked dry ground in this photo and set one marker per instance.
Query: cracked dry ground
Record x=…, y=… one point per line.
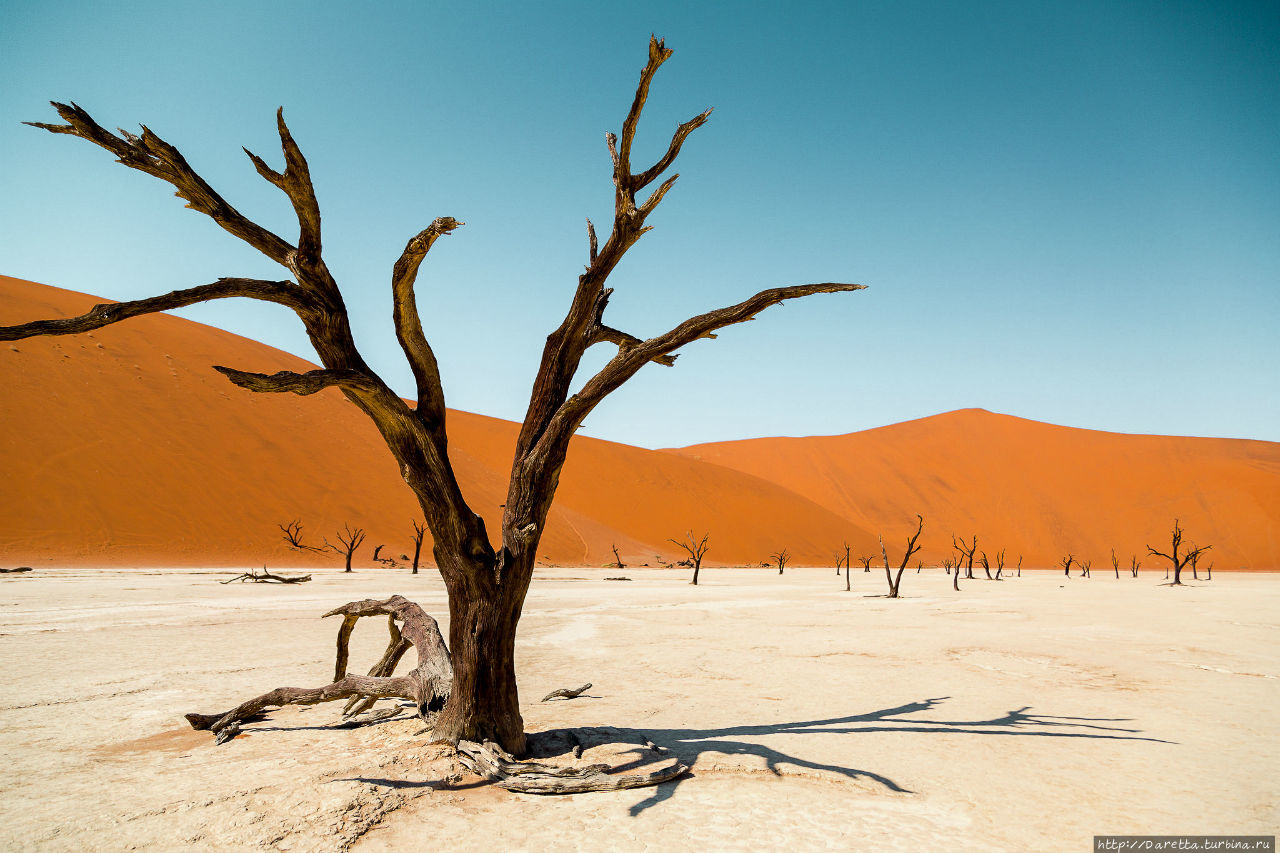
x=1021, y=714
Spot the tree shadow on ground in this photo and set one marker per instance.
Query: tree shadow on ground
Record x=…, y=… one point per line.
x=688, y=745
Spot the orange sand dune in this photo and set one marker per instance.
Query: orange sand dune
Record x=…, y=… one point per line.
x=123, y=447
x=1032, y=488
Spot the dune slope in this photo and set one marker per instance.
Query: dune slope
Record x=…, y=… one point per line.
x=124, y=447
x=1032, y=488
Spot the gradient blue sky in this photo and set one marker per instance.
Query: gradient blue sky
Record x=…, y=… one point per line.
x=1065, y=211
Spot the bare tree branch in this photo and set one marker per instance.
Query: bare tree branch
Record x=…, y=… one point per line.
x=281, y=292
x=302, y=384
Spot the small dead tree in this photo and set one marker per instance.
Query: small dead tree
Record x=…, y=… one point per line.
x=1195, y=559
x=1209, y=569
x=986, y=564
x=966, y=550
x=1085, y=566
x=1019, y=565
x=617, y=560
x=1177, y=561
x=1134, y=565
x=866, y=563
x=1066, y=562
x=695, y=547
x=350, y=539
x=781, y=559
x=419, y=531
x=895, y=583
x=293, y=535
x=947, y=565
x=843, y=561
x=1115, y=563
x=999, y=564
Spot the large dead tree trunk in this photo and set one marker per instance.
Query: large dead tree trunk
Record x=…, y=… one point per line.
x=1177, y=561
x=486, y=586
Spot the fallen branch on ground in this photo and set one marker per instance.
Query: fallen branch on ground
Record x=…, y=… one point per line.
x=267, y=577
x=565, y=693
x=533, y=777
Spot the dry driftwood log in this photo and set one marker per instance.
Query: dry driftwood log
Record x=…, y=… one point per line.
x=266, y=577
x=566, y=693
x=532, y=777
x=17, y=570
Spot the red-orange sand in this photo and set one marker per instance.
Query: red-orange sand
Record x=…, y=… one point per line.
x=123, y=447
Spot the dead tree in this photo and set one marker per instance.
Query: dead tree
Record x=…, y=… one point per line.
x=377, y=551
x=617, y=560
x=350, y=539
x=419, y=531
x=947, y=565
x=1085, y=565
x=1209, y=569
x=293, y=535
x=866, y=563
x=1195, y=559
x=266, y=577
x=966, y=550
x=1019, y=565
x=848, y=570
x=1115, y=563
x=1066, y=562
x=986, y=565
x=955, y=578
x=895, y=583
x=1134, y=565
x=1177, y=561
x=999, y=564
x=696, y=549
x=486, y=586
x=781, y=559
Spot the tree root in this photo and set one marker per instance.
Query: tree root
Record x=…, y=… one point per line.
x=566, y=693
x=534, y=777
x=427, y=686
x=267, y=577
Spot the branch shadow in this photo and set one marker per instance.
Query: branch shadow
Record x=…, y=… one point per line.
x=688, y=745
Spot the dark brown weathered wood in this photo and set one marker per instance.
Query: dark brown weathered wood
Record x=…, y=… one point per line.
x=350, y=539
x=696, y=548
x=966, y=550
x=427, y=685
x=419, y=531
x=527, y=777
x=566, y=693
x=1178, y=562
x=486, y=586
x=1066, y=562
x=1134, y=565
x=266, y=577
x=18, y=570
x=781, y=559
x=895, y=583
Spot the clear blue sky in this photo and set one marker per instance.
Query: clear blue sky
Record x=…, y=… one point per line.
x=1065, y=211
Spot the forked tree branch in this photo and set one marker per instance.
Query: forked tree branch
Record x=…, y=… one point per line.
x=422, y=360
x=302, y=384
x=281, y=292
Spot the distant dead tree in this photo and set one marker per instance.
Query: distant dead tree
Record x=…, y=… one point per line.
x=947, y=565
x=419, y=531
x=866, y=563
x=986, y=564
x=966, y=554
x=1115, y=563
x=377, y=551
x=848, y=581
x=1195, y=559
x=896, y=582
x=1085, y=566
x=617, y=560
x=1019, y=565
x=293, y=535
x=1178, y=561
x=1134, y=565
x=695, y=547
x=1209, y=569
x=1066, y=562
x=999, y=563
x=955, y=577
x=781, y=558
x=919, y=566
x=350, y=539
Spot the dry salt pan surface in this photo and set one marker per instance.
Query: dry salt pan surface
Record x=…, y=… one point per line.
x=1024, y=714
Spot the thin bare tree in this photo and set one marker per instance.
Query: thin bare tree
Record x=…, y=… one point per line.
x=1177, y=561
x=293, y=535
x=966, y=550
x=617, y=559
x=895, y=583
x=947, y=565
x=1066, y=562
x=1209, y=569
x=486, y=586
x=1134, y=565
x=986, y=564
x=350, y=538
x=842, y=561
x=1115, y=563
x=781, y=559
x=999, y=563
x=866, y=563
x=419, y=531
x=695, y=547
x=1019, y=565
x=1085, y=566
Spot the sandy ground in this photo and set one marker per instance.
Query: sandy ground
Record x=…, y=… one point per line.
x=1027, y=714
